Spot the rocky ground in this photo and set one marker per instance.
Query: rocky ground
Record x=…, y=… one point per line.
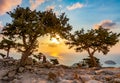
x=36, y=72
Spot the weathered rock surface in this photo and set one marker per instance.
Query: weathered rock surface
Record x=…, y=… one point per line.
x=48, y=73
x=93, y=81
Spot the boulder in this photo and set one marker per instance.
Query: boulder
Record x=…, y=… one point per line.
x=51, y=76
x=21, y=69
x=76, y=76
x=15, y=81
x=92, y=72
x=47, y=65
x=34, y=80
x=104, y=72
x=85, y=78
x=76, y=65
x=5, y=78
x=118, y=75
x=116, y=80
x=66, y=81
x=28, y=67
x=37, y=64
x=16, y=62
x=10, y=62
x=108, y=78
x=3, y=73
x=11, y=74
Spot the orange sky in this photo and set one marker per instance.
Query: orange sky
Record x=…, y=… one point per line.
x=68, y=56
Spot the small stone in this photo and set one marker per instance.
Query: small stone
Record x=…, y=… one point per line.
x=85, y=78
x=16, y=62
x=116, y=80
x=15, y=81
x=57, y=79
x=10, y=62
x=21, y=69
x=77, y=81
x=48, y=65
x=35, y=69
x=92, y=73
x=66, y=81
x=118, y=75
x=5, y=78
x=11, y=74
x=75, y=76
x=108, y=78
x=28, y=67
x=36, y=63
x=106, y=72
x=3, y=73
x=93, y=81
x=51, y=76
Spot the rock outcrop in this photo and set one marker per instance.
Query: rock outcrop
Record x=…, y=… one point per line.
x=48, y=73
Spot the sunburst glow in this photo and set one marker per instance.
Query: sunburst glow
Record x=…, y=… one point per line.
x=55, y=41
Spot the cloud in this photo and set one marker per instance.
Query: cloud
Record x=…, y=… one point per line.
x=57, y=12
x=1, y=26
x=52, y=45
x=35, y=3
x=50, y=7
x=105, y=24
x=7, y=5
x=60, y=6
x=75, y=6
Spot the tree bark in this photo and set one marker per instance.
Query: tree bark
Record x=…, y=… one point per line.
x=24, y=57
x=23, y=60
x=92, y=58
x=94, y=61
x=28, y=50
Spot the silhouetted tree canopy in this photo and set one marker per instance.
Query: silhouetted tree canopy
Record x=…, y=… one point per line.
x=27, y=26
x=38, y=56
x=88, y=62
x=6, y=44
x=94, y=40
x=54, y=61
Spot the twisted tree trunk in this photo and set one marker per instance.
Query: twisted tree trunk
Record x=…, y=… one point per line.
x=25, y=56
x=95, y=64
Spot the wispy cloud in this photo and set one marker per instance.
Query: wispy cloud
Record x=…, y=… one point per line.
x=1, y=26
x=53, y=7
x=52, y=45
x=7, y=5
x=105, y=24
x=75, y=6
x=35, y=3
x=50, y=7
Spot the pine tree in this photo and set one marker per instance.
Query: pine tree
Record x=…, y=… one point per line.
x=94, y=40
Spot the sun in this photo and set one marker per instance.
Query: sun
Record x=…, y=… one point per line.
x=55, y=41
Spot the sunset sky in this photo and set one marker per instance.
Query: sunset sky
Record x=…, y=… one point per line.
x=85, y=14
